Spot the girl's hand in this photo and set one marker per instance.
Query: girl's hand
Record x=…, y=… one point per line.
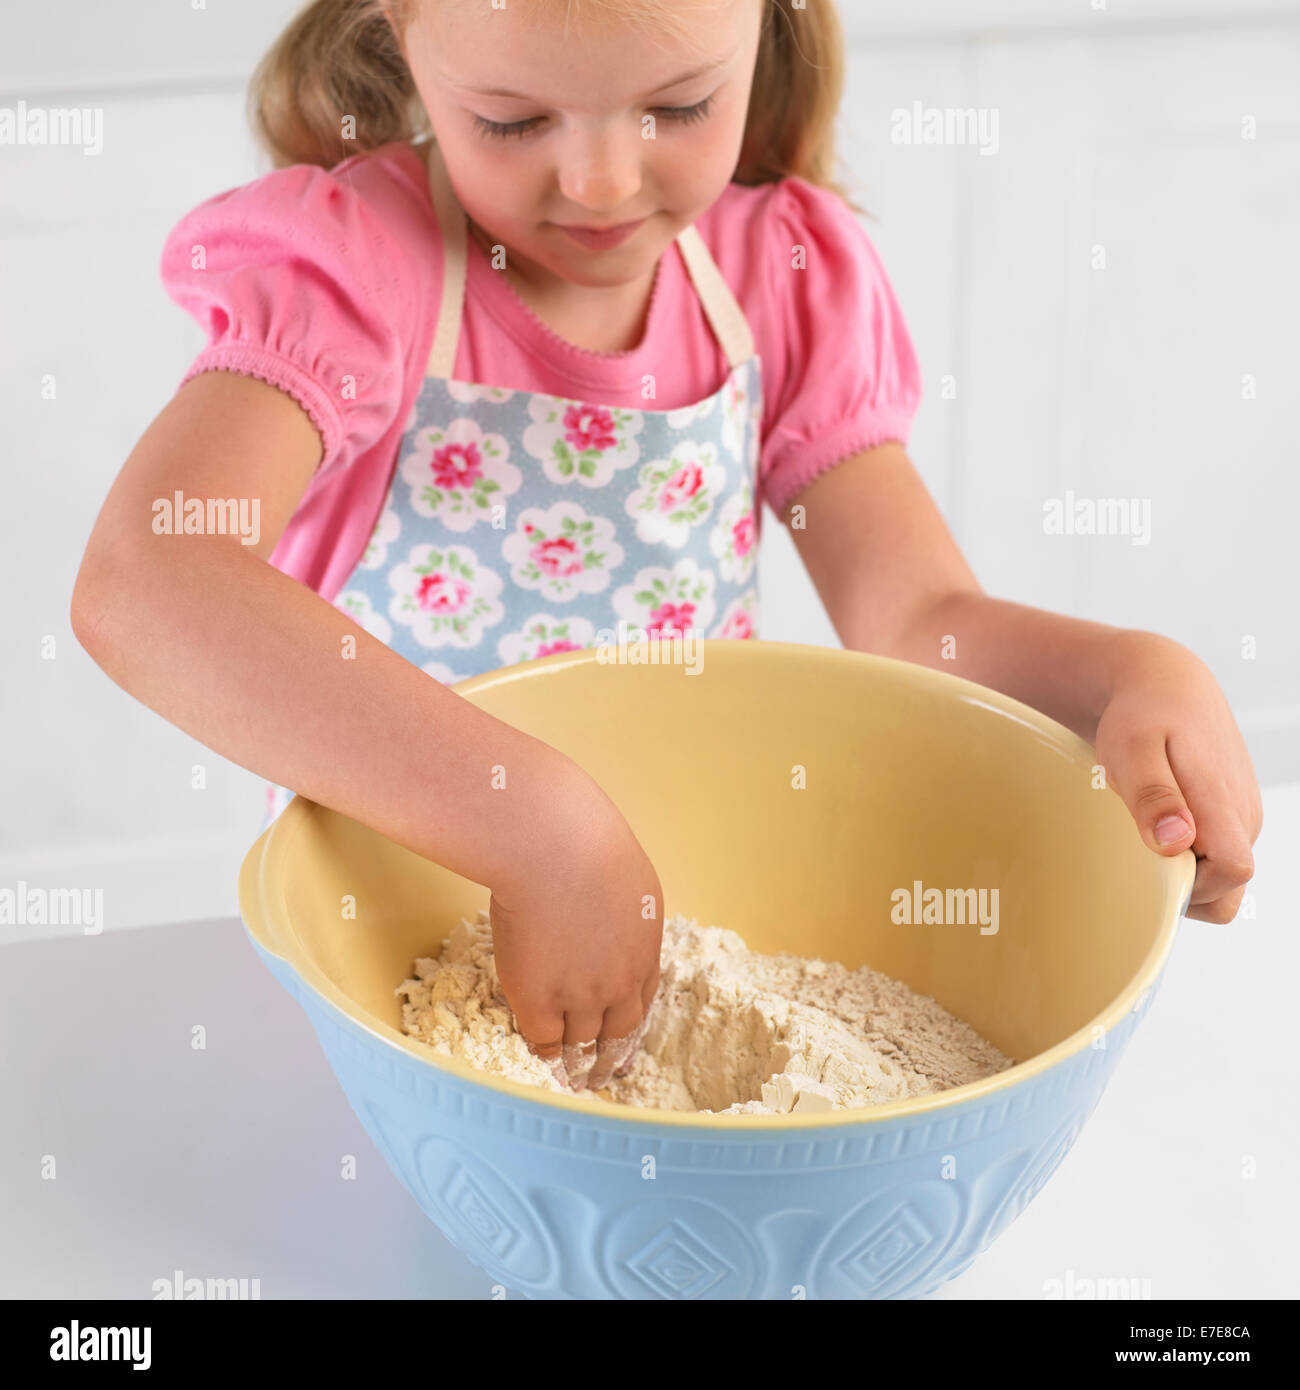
x=576, y=939
x=1172, y=749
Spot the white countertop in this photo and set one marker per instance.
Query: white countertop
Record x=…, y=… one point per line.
x=226, y=1162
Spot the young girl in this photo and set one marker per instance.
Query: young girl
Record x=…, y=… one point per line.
x=540, y=305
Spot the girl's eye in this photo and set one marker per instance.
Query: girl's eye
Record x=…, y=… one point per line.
x=686, y=114
x=505, y=130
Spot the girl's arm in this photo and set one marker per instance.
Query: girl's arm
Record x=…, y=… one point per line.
x=894, y=582
x=253, y=664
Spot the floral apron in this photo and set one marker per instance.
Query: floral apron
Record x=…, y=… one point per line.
x=519, y=524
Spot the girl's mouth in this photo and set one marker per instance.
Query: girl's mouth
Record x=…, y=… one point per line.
x=599, y=238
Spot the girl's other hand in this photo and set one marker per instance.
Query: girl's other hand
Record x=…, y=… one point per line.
x=1173, y=751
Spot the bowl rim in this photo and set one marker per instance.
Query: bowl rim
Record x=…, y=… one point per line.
x=1178, y=872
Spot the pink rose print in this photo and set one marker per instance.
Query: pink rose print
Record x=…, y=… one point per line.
x=439, y=593
x=589, y=427
x=543, y=635
x=557, y=558
x=742, y=534
x=738, y=625
x=661, y=602
x=681, y=487
x=457, y=465
x=671, y=617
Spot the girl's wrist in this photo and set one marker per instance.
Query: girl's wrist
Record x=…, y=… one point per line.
x=559, y=806
x=1133, y=654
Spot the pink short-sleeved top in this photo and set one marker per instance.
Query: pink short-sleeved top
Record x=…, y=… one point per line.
x=326, y=284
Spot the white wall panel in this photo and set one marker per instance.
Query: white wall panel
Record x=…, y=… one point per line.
x=74, y=45
x=901, y=188
x=1126, y=382
x=97, y=788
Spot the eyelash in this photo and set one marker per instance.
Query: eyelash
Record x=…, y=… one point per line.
x=683, y=115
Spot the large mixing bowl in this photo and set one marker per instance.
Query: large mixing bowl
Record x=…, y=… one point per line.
x=908, y=775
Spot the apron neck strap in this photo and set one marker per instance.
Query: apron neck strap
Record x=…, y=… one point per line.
x=725, y=315
x=451, y=222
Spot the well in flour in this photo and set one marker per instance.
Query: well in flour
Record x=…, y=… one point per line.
x=730, y=1031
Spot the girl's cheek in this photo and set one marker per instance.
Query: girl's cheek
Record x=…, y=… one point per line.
x=703, y=168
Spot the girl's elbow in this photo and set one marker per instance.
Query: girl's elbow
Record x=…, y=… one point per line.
x=86, y=607
x=103, y=582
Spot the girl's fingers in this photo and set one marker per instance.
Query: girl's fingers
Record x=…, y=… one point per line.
x=1226, y=865
x=544, y=1033
x=1160, y=785
x=579, y=1058
x=621, y=1031
x=580, y=1033
x=1221, y=910
x=649, y=989
x=633, y=1046
x=585, y=1049
x=1222, y=844
x=1143, y=777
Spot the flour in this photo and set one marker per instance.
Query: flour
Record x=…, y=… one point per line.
x=730, y=1031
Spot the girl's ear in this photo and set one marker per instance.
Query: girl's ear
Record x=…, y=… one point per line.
x=386, y=9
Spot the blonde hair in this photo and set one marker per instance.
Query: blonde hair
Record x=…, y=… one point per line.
x=342, y=58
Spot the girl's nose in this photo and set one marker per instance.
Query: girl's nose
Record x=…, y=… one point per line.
x=601, y=171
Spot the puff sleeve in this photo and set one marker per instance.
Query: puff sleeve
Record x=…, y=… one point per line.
x=844, y=375
x=294, y=281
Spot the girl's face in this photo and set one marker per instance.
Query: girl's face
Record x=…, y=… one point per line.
x=606, y=125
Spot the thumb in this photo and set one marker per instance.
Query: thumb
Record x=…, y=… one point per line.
x=1150, y=791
